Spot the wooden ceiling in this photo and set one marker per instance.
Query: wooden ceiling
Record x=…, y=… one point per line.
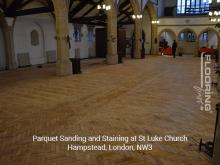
x=80, y=11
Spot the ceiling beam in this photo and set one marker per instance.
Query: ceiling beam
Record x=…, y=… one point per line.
x=29, y=11
x=94, y=18
x=124, y=4
x=123, y=11
x=79, y=7
x=14, y=5
x=98, y=23
x=90, y=10
x=129, y=22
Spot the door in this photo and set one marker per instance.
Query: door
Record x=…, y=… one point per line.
x=2, y=51
x=101, y=42
x=121, y=42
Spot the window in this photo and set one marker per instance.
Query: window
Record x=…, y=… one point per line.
x=90, y=33
x=187, y=36
x=204, y=36
x=192, y=7
x=34, y=38
x=77, y=33
x=182, y=36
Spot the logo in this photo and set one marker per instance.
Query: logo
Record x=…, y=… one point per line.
x=204, y=92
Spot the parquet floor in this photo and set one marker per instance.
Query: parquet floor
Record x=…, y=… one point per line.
x=153, y=96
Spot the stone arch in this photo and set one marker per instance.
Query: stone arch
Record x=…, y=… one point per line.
x=188, y=29
x=213, y=30
x=135, y=6
x=151, y=11
x=8, y=40
x=188, y=47
x=167, y=30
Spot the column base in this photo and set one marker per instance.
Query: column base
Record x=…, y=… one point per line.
x=112, y=60
x=64, y=68
x=12, y=66
x=137, y=57
x=137, y=54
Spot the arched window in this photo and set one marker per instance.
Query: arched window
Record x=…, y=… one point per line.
x=77, y=32
x=34, y=38
x=90, y=33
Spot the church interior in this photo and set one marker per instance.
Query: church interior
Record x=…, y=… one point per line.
x=118, y=68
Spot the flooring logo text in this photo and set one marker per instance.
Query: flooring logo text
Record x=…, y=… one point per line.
x=204, y=92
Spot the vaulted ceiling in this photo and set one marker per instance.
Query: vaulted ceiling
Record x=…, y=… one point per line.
x=80, y=11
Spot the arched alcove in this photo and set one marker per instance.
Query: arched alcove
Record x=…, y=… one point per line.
x=187, y=42
x=167, y=35
x=166, y=38
x=209, y=38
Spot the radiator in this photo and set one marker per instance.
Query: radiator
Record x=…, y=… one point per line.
x=51, y=56
x=23, y=59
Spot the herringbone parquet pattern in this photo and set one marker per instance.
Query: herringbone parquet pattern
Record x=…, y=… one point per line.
x=151, y=96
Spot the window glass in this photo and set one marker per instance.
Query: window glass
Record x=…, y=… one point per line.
x=90, y=33
x=34, y=38
x=191, y=7
x=77, y=33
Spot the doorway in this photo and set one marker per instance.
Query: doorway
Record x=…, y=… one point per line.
x=101, y=42
x=121, y=44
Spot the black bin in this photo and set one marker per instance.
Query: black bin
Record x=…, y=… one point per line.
x=76, y=65
x=120, y=60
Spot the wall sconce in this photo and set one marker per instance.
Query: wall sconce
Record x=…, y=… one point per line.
x=104, y=7
x=137, y=16
x=214, y=12
x=155, y=22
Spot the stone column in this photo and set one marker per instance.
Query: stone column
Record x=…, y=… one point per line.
x=137, y=29
x=197, y=46
x=154, y=40
x=61, y=14
x=112, y=54
x=137, y=38
x=218, y=84
x=7, y=27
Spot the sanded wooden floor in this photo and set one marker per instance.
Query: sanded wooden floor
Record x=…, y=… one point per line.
x=152, y=97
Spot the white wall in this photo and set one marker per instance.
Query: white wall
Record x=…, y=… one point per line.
x=2, y=51
x=87, y=48
x=44, y=25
